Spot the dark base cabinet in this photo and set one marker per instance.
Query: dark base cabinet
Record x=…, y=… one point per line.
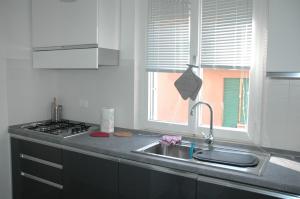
x=36, y=171
x=139, y=182
x=87, y=177
x=44, y=172
x=32, y=189
x=210, y=190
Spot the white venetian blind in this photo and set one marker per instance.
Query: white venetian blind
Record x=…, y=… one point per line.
x=226, y=33
x=168, y=35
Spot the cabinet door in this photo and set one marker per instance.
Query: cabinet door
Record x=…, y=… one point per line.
x=89, y=177
x=226, y=190
x=64, y=22
x=138, y=182
x=283, y=36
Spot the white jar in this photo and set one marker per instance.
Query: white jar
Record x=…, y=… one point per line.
x=108, y=120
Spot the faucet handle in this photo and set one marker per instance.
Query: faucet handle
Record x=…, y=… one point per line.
x=204, y=135
x=209, y=139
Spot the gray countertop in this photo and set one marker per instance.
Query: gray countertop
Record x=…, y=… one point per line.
x=281, y=174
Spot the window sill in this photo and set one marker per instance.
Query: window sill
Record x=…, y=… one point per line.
x=220, y=134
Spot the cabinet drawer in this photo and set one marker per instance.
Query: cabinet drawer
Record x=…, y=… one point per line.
x=73, y=58
x=42, y=171
x=40, y=151
x=33, y=189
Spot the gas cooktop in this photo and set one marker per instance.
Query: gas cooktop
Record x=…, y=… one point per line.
x=64, y=128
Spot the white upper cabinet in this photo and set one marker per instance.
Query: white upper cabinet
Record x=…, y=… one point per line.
x=64, y=22
x=67, y=30
x=109, y=23
x=284, y=36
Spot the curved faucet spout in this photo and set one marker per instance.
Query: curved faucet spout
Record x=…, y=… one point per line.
x=210, y=138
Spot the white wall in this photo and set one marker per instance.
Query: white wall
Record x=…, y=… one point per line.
x=282, y=114
x=30, y=91
x=19, y=34
x=5, y=179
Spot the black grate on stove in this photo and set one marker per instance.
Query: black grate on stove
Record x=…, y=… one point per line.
x=64, y=127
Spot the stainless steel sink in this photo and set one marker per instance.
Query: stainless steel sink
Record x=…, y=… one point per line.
x=182, y=152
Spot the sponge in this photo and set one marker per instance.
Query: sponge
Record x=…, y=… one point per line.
x=99, y=134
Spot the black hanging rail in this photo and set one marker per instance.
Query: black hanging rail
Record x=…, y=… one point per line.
x=192, y=66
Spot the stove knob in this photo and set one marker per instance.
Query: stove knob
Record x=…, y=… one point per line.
x=84, y=128
x=73, y=131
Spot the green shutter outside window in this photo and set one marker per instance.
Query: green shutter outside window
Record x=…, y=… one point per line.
x=244, y=111
x=232, y=102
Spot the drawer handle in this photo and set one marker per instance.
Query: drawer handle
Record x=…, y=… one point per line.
x=45, y=162
x=47, y=182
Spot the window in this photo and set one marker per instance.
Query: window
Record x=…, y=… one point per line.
x=168, y=49
x=224, y=51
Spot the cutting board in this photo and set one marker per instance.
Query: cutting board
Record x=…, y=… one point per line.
x=122, y=134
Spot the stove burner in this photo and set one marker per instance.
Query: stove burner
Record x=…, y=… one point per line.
x=64, y=128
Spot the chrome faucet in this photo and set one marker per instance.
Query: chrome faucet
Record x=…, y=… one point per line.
x=209, y=139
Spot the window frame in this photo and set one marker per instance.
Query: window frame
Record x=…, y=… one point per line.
x=249, y=135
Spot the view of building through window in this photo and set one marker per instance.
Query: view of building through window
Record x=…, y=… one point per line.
x=227, y=93
x=168, y=106
x=225, y=90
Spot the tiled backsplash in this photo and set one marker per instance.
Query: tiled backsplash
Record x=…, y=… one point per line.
x=281, y=125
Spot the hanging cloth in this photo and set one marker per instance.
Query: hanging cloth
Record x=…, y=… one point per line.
x=188, y=84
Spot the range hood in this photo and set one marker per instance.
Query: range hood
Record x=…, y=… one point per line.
x=75, y=34
x=87, y=56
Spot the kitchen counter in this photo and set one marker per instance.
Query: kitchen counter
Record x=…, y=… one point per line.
x=281, y=174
